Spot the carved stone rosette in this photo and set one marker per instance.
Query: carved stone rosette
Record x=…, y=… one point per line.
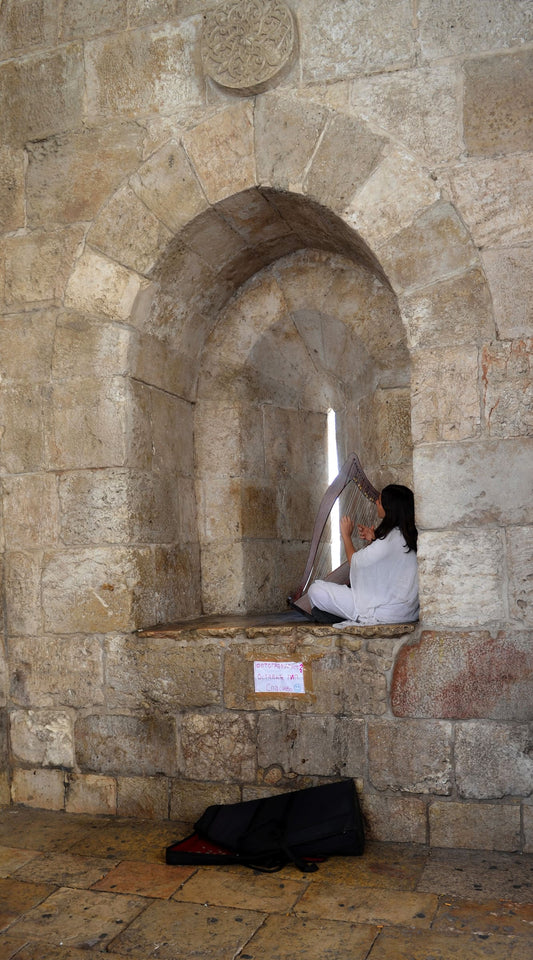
x=246, y=44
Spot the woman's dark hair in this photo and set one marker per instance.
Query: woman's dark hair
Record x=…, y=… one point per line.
x=398, y=503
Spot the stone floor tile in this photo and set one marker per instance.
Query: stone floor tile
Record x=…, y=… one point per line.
x=11, y=858
x=144, y=879
x=78, y=918
x=65, y=870
x=130, y=840
x=367, y=905
x=43, y=829
x=183, y=931
x=522, y=950
x=498, y=917
x=379, y=867
x=479, y=876
x=17, y=897
x=401, y=944
x=45, y=951
x=9, y=945
x=271, y=893
x=294, y=938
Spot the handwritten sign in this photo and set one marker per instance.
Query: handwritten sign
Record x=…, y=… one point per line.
x=278, y=677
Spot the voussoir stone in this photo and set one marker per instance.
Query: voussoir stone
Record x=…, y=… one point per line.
x=168, y=186
x=450, y=312
x=128, y=232
x=346, y=155
x=99, y=286
x=285, y=137
x=222, y=151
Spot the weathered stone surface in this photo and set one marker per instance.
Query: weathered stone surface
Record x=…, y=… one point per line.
x=474, y=826
x=447, y=248
x=508, y=388
x=41, y=95
x=22, y=435
x=26, y=346
x=528, y=827
x=285, y=137
x=497, y=104
x=395, y=819
x=130, y=746
x=158, y=673
x=87, y=793
x=42, y=738
x=99, y=286
x=323, y=746
x=94, y=590
x=389, y=438
x=364, y=683
x=445, y=395
x=493, y=760
x=349, y=40
x=188, y=800
x=143, y=797
x=86, y=423
x=418, y=107
x=25, y=25
x=346, y=155
x=414, y=756
x=31, y=514
x=126, y=231
x=461, y=676
x=474, y=185
x=122, y=71
x=56, y=671
x=520, y=564
x=85, y=347
x=489, y=482
x=461, y=578
x=39, y=788
x=391, y=198
x=324, y=682
x=218, y=746
x=71, y=175
x=510, y=276
x=38, y=264
x=172, y=434
x=450, y=312
x=79, y=19
x=253, y=217
x=167, y=185
x=22, y=584
x=455, y=27
x=222, y=151
x=11, y=188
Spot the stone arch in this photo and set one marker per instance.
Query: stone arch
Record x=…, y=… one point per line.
x=208, y=209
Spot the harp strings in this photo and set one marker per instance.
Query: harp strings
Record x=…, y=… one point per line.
x=355, y=504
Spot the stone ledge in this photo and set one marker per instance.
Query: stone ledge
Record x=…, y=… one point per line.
x=288, y=625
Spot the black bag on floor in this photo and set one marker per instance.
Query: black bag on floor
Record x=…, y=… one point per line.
x=265, y=834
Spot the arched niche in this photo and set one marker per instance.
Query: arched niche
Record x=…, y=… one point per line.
x=171, y=254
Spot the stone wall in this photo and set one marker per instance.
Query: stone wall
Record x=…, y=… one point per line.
x=140, y=201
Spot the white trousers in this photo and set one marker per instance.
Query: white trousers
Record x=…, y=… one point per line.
x=333, y=598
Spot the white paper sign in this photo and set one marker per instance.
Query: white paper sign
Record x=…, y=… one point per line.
x=275, y=677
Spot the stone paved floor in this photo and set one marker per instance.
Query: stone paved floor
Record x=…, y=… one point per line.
x=80, y=887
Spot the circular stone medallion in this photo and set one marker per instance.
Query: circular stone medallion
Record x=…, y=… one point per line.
x=247, y=43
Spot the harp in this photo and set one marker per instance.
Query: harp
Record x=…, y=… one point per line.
x=356, y=497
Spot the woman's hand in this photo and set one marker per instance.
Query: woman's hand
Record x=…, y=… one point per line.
x=366, y=533
x=346, y=526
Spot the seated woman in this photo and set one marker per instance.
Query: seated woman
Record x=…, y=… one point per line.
x=384, y=576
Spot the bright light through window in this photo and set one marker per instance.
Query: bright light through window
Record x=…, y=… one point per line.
x=333, y=469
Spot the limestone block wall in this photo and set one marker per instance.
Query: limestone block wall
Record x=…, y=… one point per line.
x=137, y=199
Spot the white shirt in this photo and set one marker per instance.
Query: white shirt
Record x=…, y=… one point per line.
x=384, y=581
